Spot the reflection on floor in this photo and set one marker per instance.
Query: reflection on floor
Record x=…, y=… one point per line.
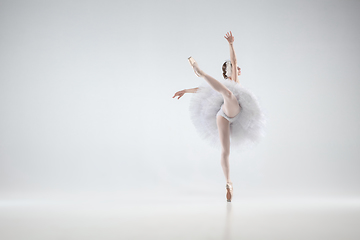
x=191, y=219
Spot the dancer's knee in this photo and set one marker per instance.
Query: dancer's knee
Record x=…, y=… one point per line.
x=227, y=94
x=225, y=153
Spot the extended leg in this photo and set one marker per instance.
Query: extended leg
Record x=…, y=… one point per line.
x=224, y=134
x=231, y=104
x=215, y=84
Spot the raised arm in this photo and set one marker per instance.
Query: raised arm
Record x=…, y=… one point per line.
x=234, y=72
x=232, y=54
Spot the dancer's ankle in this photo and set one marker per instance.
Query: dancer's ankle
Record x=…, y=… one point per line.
x=198, y=70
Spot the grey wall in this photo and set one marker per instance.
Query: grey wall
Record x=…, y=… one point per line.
x=86, y=95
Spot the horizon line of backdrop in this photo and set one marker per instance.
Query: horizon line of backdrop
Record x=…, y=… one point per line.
x=86, y=95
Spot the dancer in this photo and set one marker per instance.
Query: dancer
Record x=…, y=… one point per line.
x=224, y=112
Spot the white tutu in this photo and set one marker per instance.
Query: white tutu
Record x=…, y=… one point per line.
x=248, y=128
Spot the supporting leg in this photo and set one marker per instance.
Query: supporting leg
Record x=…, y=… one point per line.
x=224, y=134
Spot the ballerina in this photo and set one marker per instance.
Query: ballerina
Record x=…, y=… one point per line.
x=223, y=109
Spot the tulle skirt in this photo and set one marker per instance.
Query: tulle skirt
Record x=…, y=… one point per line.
x=248, y=127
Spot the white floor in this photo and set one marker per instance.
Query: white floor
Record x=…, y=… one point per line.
x=186, y=218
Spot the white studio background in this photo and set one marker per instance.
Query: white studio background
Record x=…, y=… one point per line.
x=86, y=96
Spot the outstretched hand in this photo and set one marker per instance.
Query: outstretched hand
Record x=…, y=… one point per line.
x=229, y=37
x=179, y=93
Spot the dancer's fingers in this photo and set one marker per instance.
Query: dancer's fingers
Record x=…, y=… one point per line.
x=178, y=94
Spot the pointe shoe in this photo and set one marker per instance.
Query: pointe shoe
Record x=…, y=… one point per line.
x=229, y=191
x=194, y=65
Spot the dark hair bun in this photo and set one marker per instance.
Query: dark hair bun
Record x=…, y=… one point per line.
x=224, y=70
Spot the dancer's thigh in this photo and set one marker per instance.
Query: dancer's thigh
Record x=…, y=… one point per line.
x=231, y=106
x=224, y=132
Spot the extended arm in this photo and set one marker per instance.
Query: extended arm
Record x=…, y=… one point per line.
x=191, y=90
x=181, y=93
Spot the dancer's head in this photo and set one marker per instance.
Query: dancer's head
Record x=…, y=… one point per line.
x=227, y=69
